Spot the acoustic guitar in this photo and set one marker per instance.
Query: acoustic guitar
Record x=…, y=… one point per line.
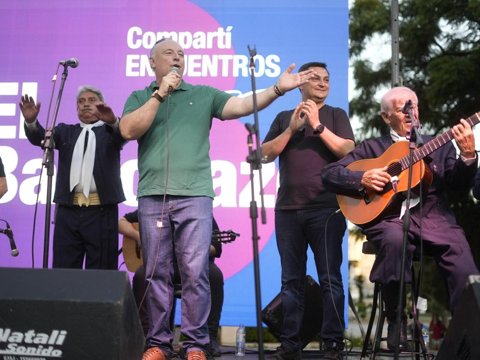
x=132, y=250
x=368, y=206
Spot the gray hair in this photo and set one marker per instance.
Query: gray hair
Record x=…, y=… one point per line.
x=154, y=47
x=89, y=88
x=386, y=101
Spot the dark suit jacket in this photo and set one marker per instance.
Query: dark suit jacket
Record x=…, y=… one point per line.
x=106, y=170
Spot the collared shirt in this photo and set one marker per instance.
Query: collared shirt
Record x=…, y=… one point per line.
x=173, y=155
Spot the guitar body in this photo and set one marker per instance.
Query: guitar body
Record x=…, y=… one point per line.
x=131, y=254
x=362, y=210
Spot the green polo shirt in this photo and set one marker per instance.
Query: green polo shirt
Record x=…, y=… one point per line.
x=175, y=149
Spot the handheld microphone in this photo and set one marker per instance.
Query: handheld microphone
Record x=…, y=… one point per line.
x=8, y=231
x=176, y=70
x=72, y=62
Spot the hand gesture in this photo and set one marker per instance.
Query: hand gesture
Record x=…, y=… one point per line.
x=297, y=120
x=105, y=113
x=28, y=108
x=289, y=81
x=310, y=112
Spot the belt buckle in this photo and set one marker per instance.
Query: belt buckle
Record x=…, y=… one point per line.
x=82, y=200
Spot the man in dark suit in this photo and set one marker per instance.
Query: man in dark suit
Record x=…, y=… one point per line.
x=88, y=185
x=432, y=220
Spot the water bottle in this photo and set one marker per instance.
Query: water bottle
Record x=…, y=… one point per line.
x=240, y=343
x=426, y=335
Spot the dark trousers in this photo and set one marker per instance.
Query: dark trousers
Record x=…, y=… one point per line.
x=443, y=239
x=86, y=234
x=295, y=231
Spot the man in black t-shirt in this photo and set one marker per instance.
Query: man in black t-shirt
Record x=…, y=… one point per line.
x=306, y=139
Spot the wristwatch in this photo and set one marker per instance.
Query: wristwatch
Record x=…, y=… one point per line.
x=319, y=129
x=157, y=96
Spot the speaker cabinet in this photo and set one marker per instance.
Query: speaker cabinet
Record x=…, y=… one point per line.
x=462, y=338
x=68, y=314
x=272, y=314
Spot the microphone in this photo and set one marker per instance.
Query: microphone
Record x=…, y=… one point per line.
x=8, y=231
x=176, y=70
x=415, y=132
x=72, y=62
x=407, y=107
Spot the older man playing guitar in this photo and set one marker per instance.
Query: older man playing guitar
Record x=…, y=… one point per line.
x=372, y=196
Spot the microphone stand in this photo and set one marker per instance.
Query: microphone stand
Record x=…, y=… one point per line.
x=415, y=141
x=48, y=146
x=254, y=159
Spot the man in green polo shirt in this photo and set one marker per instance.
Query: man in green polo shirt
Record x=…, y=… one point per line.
x=171, y=121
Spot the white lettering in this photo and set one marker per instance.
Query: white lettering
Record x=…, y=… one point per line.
x=221, y=38
x=129, y=176
x=197, y=65
x=224, y=175
x=10, y=161
x=133, y=40
x=268, y=173
x=29, y=188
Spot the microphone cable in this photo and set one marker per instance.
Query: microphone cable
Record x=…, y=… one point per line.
x=149, y=277
x=35, y=211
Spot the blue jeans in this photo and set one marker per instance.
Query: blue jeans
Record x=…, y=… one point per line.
x=182, y=225
x=295, y=231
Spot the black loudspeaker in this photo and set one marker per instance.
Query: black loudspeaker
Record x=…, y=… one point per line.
x=272, y=314
x=68, y=314
x=462, y=338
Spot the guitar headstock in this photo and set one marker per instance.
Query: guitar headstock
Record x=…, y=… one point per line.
x=224, y=236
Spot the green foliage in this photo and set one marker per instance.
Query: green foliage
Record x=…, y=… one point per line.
x=251, y=335
x=439, y=59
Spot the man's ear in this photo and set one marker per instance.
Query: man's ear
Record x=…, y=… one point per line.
x=385, y=117
x=152, y=63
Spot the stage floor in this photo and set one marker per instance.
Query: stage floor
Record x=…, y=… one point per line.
x=228, y=353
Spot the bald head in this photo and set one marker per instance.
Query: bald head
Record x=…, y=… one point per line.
x=165, y=54
x=392, y=105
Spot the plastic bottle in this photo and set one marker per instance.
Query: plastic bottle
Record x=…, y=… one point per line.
x=240, y=341
x=426, y=335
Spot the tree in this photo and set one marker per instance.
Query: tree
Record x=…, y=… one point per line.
x=439, y=59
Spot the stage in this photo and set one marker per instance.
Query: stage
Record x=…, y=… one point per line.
x=228, y=353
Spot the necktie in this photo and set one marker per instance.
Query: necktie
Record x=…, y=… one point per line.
x=83, y=158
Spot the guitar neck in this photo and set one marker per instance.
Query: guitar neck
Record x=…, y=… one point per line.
x=435, y=143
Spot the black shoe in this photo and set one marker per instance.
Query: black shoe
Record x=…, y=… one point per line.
x=332, y=350
x=282, y=354
x=332, y=354
x=391, y=332
x=213, y=349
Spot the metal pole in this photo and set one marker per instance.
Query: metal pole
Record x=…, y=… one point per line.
x=396, y=80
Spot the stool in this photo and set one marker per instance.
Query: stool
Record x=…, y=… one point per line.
x=370, y=249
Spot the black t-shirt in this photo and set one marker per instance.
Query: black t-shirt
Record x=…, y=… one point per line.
x=303, y=159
